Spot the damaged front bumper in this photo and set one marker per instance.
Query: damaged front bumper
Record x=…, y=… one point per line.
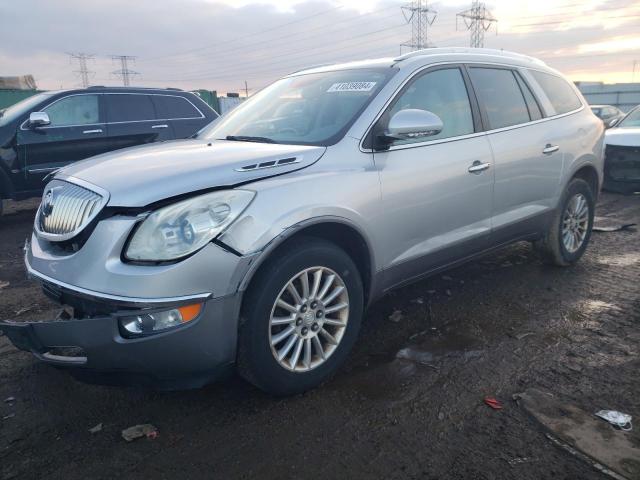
x=96, y=350
x=622, y=169
x=91, y=343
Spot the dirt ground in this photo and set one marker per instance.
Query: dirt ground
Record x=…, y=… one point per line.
x=408, y=404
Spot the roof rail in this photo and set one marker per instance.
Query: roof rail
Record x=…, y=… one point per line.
x=99, y=87
x=480, y=51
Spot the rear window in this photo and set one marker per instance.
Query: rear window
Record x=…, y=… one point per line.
x=558, y=91
x=171, y=107
x=125, y=107
x=501, y=96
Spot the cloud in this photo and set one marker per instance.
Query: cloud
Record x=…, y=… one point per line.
x=218, y=45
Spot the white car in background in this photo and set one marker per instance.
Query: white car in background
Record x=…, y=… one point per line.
x=622, y=155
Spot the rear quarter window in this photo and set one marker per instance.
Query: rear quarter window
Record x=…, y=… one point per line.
x=174, y=107
x=558, y=91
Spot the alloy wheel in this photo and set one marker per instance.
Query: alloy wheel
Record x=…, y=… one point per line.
x=575, y=222
x=308, y=319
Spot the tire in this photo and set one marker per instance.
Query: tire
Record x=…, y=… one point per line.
x=257, y=360
x=552, y=247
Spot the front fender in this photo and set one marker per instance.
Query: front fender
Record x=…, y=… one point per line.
x=289, y=232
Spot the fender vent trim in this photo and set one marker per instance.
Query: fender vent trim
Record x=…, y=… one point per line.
x=269, y=164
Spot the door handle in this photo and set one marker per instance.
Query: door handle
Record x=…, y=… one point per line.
x=160, y=126
x=549, y=149
x=97, y=130
x=479, y=167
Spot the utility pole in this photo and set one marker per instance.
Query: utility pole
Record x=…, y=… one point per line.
x=246, y=89
x=124, y=71
x=421, y=17
x=478, y=19
x=84, y=71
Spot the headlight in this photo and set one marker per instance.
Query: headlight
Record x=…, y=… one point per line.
x=182, y=228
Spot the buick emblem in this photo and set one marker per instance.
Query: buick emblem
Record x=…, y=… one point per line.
x=48, y=202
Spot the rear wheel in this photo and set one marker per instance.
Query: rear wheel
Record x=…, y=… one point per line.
x=570, y=231
x=300, y=318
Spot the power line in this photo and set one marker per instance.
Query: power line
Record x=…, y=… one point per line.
x=421, y=18
x=477, y=20
x=269, y=44
x=84, y=71
x=301, y=52
x=259, y=32
x=250, y=71
x=124, y=71
x=560, y=22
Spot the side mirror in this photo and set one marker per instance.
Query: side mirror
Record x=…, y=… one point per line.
x=613, y=122
x=409, y=124
x=39, y=119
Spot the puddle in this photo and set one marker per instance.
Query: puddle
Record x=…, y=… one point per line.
x=624, y=260
x=435, y=348
x=387, y=376
x=597, y=306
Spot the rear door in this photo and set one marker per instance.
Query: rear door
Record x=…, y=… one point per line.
x=182, y=115
x=527, y=153
x=437, y=190
x=77, y=131
x=132, y=120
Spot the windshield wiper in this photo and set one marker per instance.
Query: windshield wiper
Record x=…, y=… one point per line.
x=247, y=138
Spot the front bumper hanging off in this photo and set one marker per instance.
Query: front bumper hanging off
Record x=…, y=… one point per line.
x=94, y=350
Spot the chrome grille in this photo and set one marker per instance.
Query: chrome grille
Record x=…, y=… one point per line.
x=66, y=209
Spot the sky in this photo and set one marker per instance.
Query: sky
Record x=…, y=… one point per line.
x=221, y=44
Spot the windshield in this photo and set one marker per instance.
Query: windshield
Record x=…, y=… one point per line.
x=18, y=109
x=311, y=109
x=596, y=111
x=632, y=120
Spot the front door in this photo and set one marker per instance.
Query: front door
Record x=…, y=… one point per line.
x=437, y=190
x=77, y=131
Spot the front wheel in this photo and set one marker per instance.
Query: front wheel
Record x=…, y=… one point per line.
x=570, y=231
x=300, y=318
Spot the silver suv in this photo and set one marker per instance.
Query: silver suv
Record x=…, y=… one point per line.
x=261, y=242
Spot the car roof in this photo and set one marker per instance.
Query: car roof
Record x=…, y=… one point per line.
x=601, y=106
x=436, y=55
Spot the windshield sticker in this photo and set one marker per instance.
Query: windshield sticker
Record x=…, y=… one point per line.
x=352, y=87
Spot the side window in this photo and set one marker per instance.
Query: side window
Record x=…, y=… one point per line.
x=498, y=91
x=74, y=110
x=558, y=91
x=444, y=93
x=129, y=107
x=170, y=107
x=532, y=104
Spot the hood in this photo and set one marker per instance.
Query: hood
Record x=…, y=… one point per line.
x=623, y=137
x=139, y=176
